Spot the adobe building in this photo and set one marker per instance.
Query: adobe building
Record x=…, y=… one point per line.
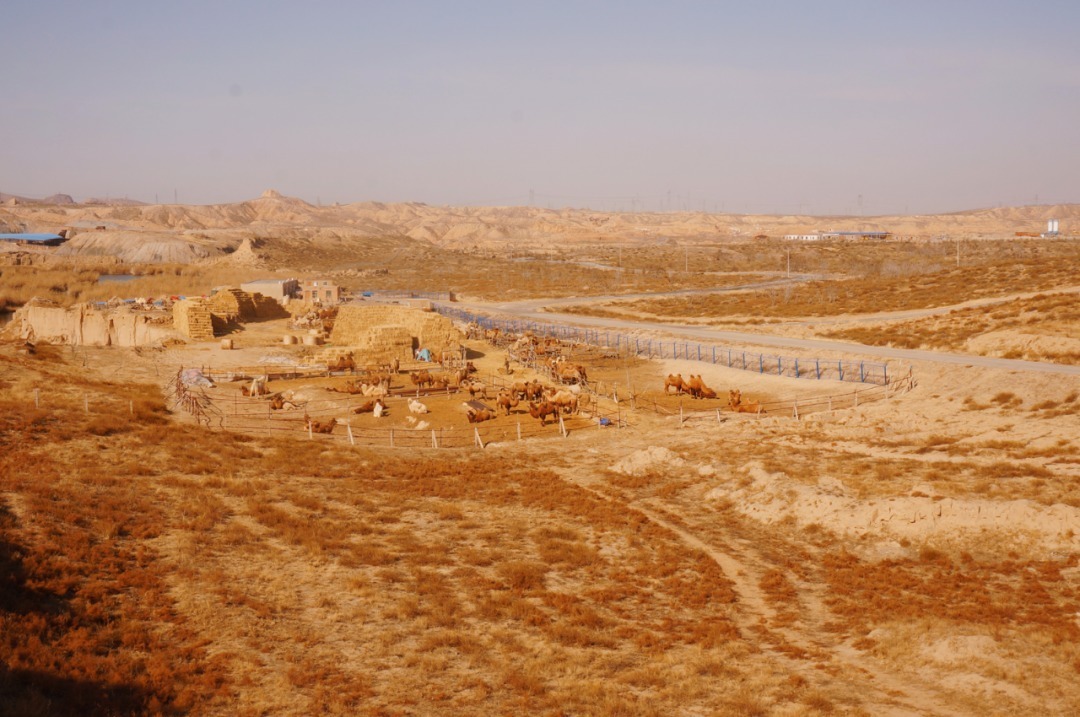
x=321, y=292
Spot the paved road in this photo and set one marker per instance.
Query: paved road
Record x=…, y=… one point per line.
x=530, y=310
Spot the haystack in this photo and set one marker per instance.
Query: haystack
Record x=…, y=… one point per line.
x=381, y=333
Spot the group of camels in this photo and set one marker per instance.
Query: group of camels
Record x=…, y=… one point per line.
x=696, y=388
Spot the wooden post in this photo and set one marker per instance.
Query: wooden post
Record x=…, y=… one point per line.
x=718, y=419
x=434, y=439
x=476, y=436
x=681, y=419
x=309, y=431
x=519, y=430
x=795, y=409
x=348, y=427
x=391, y=437
x=86, y=403
x=131, y=407
x=37, y=398
x=562, y=426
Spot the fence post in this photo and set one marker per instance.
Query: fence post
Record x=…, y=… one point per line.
x=796, y=368
x=86, y=403
x=795, y=409
x=840, y=368
x=519, y=430
x=862, y=372
x=476, y=435
x=391, y=437
x=817, y=368
x=761, y=363
x=434, y=439
x=348, y=427
x=309, y=430
x=779, y=365
x=37, y=398
x=562, y=426
x=681, y=419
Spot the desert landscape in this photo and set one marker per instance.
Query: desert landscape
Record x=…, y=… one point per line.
x=884, y=520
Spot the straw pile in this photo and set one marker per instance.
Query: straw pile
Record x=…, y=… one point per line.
x=192, y=318
x=381, y=333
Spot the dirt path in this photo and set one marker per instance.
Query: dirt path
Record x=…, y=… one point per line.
x=528, y=310
x=804, y=645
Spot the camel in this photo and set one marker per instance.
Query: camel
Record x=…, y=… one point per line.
x=693, y=386
x=474, y=387
x=674, y=381
x=417, y=407
x=507, y=400
x=421, y=379
x=257, y=388
x=543, y=410
x=320, y=426
x=279, y=402
x=370, y=407
x=479, y=415
x=738, y=406
x=342, y=363
x=565, y=400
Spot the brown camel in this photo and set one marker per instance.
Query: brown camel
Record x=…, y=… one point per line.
x=737, y=404
x=507, y=400
x=543, y=410
x=674, y=381
x=320, y=426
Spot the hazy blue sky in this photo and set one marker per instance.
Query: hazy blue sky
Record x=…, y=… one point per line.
x=822, y=107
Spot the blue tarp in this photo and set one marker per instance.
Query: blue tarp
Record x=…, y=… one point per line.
x=423, y=355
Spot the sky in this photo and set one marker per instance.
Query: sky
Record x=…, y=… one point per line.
x=830, y=107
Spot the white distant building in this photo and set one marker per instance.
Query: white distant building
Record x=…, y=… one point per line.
x=280, y=290
x=802, y=237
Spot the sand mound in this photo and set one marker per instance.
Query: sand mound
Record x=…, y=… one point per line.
x=641, y=462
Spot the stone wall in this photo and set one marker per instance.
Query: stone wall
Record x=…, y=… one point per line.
x=84, y=325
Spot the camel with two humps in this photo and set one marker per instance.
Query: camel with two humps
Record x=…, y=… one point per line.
x=736, y=403
x=319, y=426
x=542, y=410
x=674, y=381
x=373, y=406
x=342, y=363
x=697, y=388
x=566, y=401
x=506, y=400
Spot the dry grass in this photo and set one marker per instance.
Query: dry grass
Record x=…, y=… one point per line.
x=1044, y=315
x=1032, y=268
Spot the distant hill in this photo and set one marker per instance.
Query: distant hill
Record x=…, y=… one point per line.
x=207, y=231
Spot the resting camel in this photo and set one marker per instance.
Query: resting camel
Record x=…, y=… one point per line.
x=369, y=407
x=736, y=403
x=507, y=400
x=543, y=410
x=320, y=426
x=674, y=381
x=279, y=402
x=478, y=415
x=417, y=407
x=342, y=363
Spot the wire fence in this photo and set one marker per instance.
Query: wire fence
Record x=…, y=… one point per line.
x=255, y=415
x=619, y=344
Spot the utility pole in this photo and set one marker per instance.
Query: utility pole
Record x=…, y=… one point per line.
x=958, y=253
x=789, y=262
